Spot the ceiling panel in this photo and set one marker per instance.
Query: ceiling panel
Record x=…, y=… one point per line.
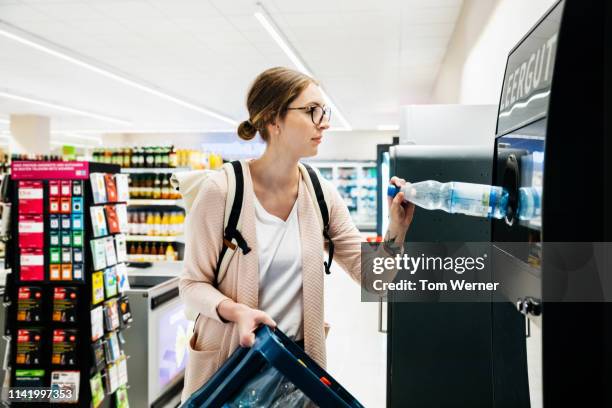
x=369, y=56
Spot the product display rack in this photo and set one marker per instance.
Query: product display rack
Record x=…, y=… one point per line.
x=58, y=312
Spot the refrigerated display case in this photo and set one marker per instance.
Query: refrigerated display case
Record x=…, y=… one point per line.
x=356, y=182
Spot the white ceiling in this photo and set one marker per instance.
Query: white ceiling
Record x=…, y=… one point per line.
x=370, y=56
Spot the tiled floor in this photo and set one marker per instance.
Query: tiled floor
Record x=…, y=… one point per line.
x=356, y=351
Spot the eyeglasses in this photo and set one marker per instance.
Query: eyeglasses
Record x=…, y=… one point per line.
x=318, y=114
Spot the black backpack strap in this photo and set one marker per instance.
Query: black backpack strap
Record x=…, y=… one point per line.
x=231, y=229
x=318, y=190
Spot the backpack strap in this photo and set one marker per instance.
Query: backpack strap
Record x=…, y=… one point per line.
x=318, y=197
x=232, y=238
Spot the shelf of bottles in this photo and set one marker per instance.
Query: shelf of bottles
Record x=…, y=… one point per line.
x=356, y=183
x=153, y=252
x=152, y=159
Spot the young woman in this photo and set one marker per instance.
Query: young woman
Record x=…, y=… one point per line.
x=280, y=281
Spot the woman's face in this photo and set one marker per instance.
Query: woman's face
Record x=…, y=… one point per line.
x=297, y=132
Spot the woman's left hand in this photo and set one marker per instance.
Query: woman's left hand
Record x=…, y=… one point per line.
x=400, y=212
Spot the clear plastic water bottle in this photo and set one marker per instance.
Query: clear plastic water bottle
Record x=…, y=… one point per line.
x=479, y=200
x=530, y=203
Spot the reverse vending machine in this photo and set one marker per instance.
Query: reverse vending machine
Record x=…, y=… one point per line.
x=550, y=325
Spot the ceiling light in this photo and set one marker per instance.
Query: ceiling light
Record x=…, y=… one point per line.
x=150, y=130
x=63, y=108
x=268, y=24
x=13, y=33
x=387, y=127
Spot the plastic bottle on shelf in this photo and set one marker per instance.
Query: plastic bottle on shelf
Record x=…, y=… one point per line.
x=146, y=252
x=165, y=187
x=156, y=224
x=139, y=256
x=165, y=224
x=154, y=251
x=161, y=254
x=171, y=254
x=150, y=227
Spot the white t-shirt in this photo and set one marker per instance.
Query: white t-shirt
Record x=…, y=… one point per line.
x=280, y=270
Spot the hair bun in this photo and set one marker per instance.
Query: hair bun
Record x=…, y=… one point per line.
x=246, y=130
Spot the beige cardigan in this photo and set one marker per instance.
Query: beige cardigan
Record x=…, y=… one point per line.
x=214, y=341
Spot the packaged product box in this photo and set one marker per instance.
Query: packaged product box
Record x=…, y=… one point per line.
x=31, y=231
x=77, y=205
x=28, y=346
x=97, y=323
x=65, y=303
x=32, y=265
x=97, y=390
x=65, y=205
x=66, y=188
x=67, y=272
x=29, y=378
x=123, y=191
x=97, y=286
x=111, y=219
x=30, y=196
x=97, y=349
x=54, y=188
x=55, y=272
x=65, y=221
x=98, y=187
x=77, y=188
x=66, y=236
x=64, y=350
x=68, y=382
x=54, y=238
x=29, y=304
x=111, y=188
x=77, y=222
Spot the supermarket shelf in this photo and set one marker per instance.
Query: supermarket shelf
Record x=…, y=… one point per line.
x=155, y=170
x=154, y=238
x=178, y=203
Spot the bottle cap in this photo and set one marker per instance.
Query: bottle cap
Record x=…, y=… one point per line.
x=392, y=190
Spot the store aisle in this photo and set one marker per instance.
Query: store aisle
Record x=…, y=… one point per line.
x=356, y=351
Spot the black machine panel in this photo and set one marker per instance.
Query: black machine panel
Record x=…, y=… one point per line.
x=551, y=135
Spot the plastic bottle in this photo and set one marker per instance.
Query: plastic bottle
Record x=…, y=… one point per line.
x=478, y=200
x=170, y=253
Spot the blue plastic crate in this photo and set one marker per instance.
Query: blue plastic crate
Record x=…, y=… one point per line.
x=272, y=347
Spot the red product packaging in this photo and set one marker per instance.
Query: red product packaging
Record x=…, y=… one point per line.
x=66, y=188
x=32, y=265
x=31, y=231
x=65, y=205
x=111, y=188
x=111, y=219
x=54, y=188
x=54, y=205
x=30, y=197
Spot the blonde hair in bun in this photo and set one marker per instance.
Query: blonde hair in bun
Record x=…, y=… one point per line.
x=246, y=130
x=269, y=97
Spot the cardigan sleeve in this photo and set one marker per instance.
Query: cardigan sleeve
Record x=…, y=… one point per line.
x=203, y=243
x=347, y=245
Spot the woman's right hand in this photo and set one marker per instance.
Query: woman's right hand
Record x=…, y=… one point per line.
x=247, y=320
